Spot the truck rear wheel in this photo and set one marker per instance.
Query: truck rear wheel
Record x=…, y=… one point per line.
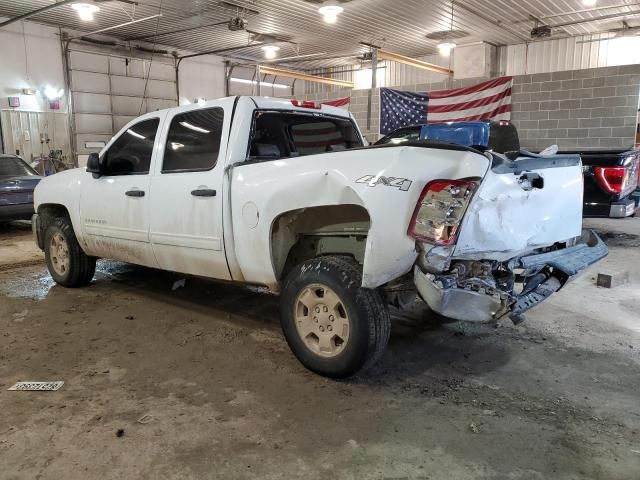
x=333, y=325
x=68, y=265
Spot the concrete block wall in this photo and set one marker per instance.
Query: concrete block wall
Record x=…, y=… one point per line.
x=590, y=108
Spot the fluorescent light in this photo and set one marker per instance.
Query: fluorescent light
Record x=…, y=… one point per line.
x=270, y=51
x=53, y=93
x=330, y=13
x=85, y=10
x=262, y=84
x=445, y=48
x=194, y=128
x=589, y=3
x=135, y=134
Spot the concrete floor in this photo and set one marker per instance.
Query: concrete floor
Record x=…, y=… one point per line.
x=202, y=385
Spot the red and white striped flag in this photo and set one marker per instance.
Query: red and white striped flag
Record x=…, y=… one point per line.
x=490, y=100
x=340, y=102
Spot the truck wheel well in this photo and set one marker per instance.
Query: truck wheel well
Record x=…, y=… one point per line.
x=51, y=211
x=299, y=235
x=47, y=214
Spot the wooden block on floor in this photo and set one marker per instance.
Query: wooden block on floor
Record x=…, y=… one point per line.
x=612, y=279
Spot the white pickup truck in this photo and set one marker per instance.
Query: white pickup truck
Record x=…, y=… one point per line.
x=284, y=194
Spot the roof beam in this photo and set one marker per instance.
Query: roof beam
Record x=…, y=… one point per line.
x=394, y=57
x=304, y=76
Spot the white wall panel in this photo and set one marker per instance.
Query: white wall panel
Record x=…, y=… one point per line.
x=153, y=104
x=161, y=89
x=89, y=82
x=120, y=121
x=90, y=123
x=162, y=71
x=201, y=77
x=127, y=105
x=91, y=102
x=91, y=62
x=133, y=87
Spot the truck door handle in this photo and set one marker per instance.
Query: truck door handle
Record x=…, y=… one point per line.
x=134, y=193
x=203, y=192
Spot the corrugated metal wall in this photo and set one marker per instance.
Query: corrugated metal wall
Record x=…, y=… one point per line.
x=575, y=53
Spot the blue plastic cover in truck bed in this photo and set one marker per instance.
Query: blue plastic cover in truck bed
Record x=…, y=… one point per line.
x=461, y=133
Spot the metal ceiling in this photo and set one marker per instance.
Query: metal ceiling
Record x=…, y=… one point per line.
x=398, y=26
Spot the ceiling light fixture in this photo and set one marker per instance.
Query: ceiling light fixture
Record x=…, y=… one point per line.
x=447, y=45
x=330, y=12
x=85, y=10
x=589, y=3
x=53, y=93
x=445, y=48
x=270, y=51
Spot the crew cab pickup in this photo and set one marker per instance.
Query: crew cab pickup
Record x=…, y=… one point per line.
x=284, y=194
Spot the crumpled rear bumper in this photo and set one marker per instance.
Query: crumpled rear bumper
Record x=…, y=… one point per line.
x=481, y=306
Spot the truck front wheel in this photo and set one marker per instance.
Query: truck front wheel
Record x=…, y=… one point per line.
x=333, y=325
x=68, y=265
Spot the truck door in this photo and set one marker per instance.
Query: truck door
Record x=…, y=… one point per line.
x=114, y=207
x=186, y=192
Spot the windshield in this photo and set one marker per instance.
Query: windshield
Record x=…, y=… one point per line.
x=286, y=134
x=14, y=167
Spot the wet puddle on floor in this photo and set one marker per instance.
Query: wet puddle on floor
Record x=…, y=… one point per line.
x=19, y=284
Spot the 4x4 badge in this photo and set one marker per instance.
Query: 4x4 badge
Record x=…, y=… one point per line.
x=402, y=184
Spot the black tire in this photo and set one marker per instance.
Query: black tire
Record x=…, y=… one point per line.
x=368, y=316
x=81, y=267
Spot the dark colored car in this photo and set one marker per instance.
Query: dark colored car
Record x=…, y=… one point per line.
x=611, y=177
x=17, y=182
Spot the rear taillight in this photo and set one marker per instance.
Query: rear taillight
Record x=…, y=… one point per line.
x=617, y=179
x=440, y=210
x=306, y=104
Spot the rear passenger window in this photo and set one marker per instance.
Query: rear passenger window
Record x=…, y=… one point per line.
x=131, y=152
x=317, y=137
x=193, y=142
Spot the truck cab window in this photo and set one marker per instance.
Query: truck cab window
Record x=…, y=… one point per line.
x=280, y=134
x=131, y=152
x=193, y=142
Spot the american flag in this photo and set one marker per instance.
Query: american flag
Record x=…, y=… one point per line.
x=399, y=109
x=490, y=100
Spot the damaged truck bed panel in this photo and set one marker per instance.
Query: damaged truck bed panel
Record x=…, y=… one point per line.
x=509, y=215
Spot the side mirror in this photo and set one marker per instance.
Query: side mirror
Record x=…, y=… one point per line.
x=93, y=165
